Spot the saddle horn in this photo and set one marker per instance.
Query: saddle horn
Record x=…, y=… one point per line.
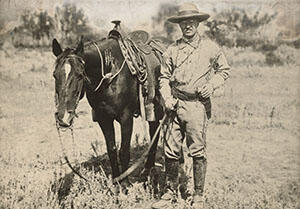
x=116, y=32
x=117, y=24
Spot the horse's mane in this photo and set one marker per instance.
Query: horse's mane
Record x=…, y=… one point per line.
x=97, y=41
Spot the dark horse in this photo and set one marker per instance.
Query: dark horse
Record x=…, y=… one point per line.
x=78, y=72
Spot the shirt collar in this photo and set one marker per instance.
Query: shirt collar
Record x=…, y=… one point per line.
x=194, y=42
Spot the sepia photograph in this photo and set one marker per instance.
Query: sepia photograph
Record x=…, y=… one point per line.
x=150, y=104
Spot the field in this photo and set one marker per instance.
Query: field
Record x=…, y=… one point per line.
x=253, y=140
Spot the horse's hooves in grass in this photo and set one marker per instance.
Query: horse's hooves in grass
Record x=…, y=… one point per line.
x=144, y=174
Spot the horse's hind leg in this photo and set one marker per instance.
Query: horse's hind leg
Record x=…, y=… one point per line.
x=109, y=135
x=124, y=154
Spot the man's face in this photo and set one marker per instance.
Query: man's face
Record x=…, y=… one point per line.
x=189, y=27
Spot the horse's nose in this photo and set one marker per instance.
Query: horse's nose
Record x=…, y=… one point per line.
x=66, y=119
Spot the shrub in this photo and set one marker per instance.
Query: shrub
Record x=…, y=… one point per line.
x=39, y=28
x=272, y=59
x=35, y=29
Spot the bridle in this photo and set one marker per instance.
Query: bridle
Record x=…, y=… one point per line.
x=79, y=89
x=109, y=77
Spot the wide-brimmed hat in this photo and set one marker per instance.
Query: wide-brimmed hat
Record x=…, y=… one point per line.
x=187, y=11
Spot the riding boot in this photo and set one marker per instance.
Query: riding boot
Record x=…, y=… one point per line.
x=199, y=171
x=171, y=185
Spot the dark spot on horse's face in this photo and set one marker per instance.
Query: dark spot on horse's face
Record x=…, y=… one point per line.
x=69, y=75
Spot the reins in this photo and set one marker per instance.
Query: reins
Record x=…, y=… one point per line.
x=64, y=150
x=141, y=160
x=132, y=168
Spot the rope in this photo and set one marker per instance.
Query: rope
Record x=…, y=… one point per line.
x=60, y=140
x=130, y=169
x=143, y=157
x=101, y=59
x=128, y=54
x=64, y=151
x=108, y=75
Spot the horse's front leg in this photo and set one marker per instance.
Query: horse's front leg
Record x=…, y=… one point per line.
x=109, y=135
x=150, y=162
x=126, y=123
x=153, y=126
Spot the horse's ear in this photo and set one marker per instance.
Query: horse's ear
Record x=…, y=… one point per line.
x=56, y=49
x=80, y=47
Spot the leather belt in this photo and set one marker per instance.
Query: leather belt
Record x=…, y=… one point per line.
x=188, y=96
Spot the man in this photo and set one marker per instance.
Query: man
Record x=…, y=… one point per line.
x=195, y=68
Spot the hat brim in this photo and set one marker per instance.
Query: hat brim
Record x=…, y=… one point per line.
x=199, y=17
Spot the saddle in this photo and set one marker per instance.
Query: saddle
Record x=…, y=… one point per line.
x=144, y=43
x=137, y=48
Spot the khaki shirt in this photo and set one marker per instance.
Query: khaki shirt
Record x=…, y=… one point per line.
x=189, y=65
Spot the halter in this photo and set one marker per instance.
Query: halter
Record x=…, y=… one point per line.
x=81, y=62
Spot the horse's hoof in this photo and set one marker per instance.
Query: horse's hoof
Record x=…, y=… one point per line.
x=126, y=183
x=115, y=190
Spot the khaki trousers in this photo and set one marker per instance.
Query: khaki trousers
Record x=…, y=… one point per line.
x=190, y=121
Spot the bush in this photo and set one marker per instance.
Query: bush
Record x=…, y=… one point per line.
x=70, y=23
x=35, y=30
x=236, y=27
x=39, y=28
x=287, y=54
x=165, y=10
x=272, y=59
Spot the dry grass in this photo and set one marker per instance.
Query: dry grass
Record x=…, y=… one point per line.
x=253, y=142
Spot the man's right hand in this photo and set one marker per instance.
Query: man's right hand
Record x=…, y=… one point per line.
x=170, y=104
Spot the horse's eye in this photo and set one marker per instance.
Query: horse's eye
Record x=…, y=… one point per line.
x=82, y=62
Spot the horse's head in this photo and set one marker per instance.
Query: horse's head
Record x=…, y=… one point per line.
x=69, y=76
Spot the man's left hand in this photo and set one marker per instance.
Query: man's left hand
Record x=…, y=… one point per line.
x=207, y=90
